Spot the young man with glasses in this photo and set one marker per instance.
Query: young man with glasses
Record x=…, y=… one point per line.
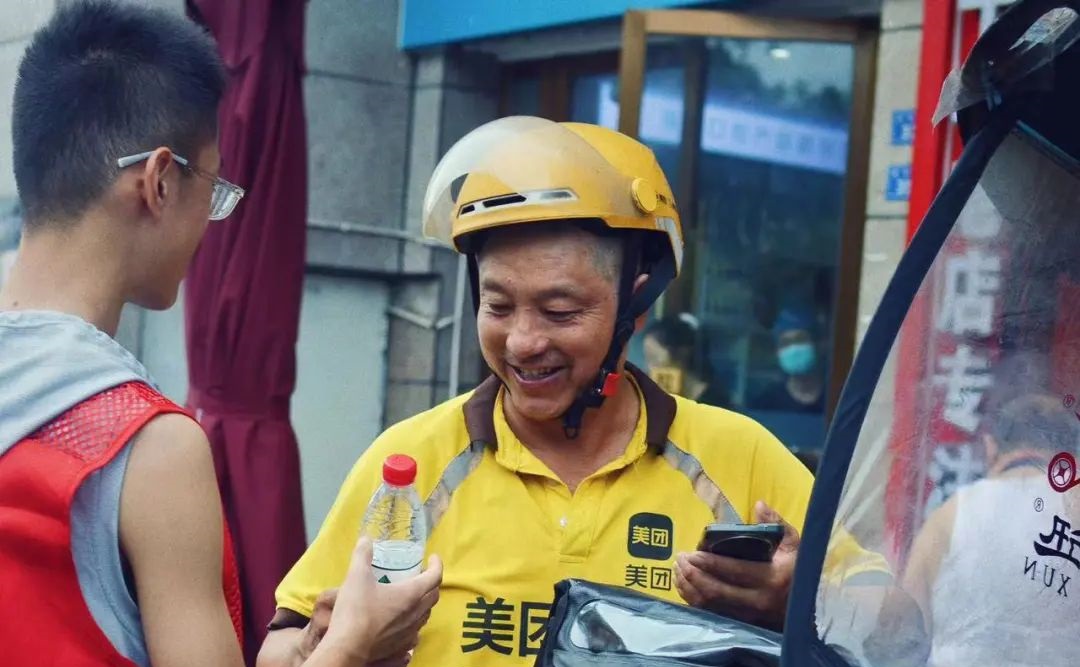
x=112, y=544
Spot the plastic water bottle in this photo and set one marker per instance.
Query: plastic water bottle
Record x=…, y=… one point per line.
x=396, y=522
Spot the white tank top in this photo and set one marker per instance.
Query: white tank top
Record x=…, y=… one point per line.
x=997, y=601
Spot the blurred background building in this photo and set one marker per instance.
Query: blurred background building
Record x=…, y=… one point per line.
x=786, y=127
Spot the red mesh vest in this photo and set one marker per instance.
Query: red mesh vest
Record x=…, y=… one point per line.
x=44, y=619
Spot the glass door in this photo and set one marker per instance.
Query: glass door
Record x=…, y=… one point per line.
x=763, y=127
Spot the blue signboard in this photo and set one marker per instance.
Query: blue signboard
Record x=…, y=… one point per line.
x=898, y=184
x=903, y=127
x=730, y=130
x=431, y=22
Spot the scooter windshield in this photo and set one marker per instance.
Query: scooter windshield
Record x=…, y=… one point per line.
x=957, y=536
x=945, y=524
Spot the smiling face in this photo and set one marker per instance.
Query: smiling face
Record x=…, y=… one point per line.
x=548, y=302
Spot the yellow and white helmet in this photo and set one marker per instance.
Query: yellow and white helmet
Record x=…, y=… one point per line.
x=521, y=170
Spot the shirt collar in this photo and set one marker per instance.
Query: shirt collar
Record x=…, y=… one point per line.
x=657, y=414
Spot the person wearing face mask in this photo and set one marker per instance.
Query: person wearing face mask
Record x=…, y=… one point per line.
x=803, y=389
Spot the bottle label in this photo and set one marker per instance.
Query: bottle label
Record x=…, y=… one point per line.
x=388, y=576
x=396, y=560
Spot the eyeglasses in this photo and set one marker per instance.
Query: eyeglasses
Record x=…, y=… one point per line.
x=226, y=195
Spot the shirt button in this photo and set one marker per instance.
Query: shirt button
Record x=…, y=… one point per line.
x=562, y=522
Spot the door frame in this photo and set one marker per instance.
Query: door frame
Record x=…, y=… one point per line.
x=638, y=26
x=555, y=77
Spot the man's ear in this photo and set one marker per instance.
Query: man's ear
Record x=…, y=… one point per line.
x=154, y=187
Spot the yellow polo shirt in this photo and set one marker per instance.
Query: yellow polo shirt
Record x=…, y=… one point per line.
x=507, y=529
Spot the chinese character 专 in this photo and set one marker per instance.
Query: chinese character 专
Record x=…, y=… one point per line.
x=488, y=625
x=965, y=380
x=661, y=578
x=659, y=537
x=971, y=283
x=950, y=468
x=532, y=614
x=637, y=575
x=640, y=535
x=1060, y=536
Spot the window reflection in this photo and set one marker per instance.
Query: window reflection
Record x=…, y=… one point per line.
x=765, y=227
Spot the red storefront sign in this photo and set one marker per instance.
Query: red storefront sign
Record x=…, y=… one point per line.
x=954, y=318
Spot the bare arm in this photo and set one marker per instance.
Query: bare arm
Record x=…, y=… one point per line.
x=745, y=590
x=362, y=623
x=171, y=531
x=924, y=561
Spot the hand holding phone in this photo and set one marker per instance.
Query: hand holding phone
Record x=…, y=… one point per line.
x=752, y=542
x=743, y=571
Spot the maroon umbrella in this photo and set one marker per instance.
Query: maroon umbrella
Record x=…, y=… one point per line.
x=243, y=295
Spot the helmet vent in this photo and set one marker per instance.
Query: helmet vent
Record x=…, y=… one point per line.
x=506, y=200
x=518, y=199
x=556, y=194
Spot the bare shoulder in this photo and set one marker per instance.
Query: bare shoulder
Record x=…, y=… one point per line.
x=935, y=537
x=170, y=484
x=931, y=544
x=174, y=442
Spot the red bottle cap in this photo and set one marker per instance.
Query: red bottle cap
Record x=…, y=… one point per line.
x=399, y=470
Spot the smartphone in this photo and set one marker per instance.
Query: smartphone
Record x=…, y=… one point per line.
x=753, y=542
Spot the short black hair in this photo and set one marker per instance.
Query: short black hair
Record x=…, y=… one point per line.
x=102, y=80
x=682, y=339
x=607, y=253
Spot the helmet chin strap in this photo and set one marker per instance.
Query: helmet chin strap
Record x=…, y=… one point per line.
x=632, y=305
x=606, y=382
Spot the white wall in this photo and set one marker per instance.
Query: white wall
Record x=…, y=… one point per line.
x=18, y=21
x=341, y=365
